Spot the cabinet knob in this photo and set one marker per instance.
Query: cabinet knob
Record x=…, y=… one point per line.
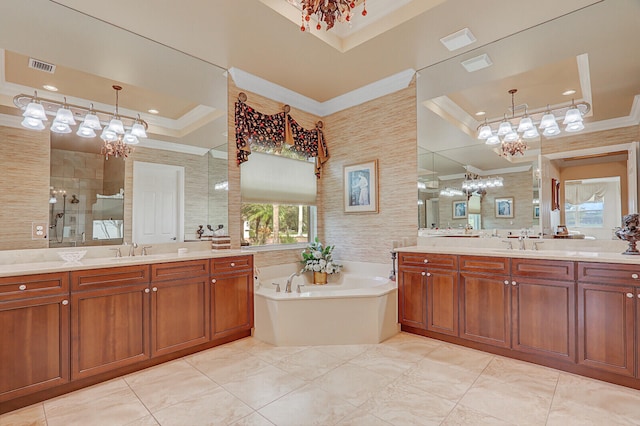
x=426, y=261
x=424, y=273
x=146, y=290
x=65, y=302
x=513, y=283
x=155, y=289
x=214, y=281
x=506, y=282
x=428, y=274
x=22, y=287
x=233, y=264
x=629, y=295
x=634, y=276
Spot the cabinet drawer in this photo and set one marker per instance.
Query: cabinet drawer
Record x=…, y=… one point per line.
x=21, y=287
x=486, y=264
x=230, y=264
x=606, y=273
x=109, y=277
x=539, y=268
x=442, y=261
x=179, y=270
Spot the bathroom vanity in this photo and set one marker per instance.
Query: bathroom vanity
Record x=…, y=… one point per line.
x=571, y=310
x=74, y=325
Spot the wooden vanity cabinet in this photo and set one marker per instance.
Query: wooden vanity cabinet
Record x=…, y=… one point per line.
x=34, y=329
x=608, y=318
x=231, y=295
x=179, y=305
x=109, y=319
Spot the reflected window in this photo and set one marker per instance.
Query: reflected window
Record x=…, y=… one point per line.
x=589, y=201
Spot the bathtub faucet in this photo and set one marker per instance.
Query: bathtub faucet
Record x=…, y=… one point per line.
x=287, y=289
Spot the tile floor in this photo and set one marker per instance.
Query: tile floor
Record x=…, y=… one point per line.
x=407, y=380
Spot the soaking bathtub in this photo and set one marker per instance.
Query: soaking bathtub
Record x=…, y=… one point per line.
x=350, y=309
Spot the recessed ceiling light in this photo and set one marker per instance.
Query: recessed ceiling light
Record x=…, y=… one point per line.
x=569, y=92
x=154, y=111
x=480, y=113
x=458, y=40
x=477, y=63
x=50, y=88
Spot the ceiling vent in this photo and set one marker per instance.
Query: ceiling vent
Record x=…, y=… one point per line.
x=458, y=40
x=39, y=65
x=477, y=63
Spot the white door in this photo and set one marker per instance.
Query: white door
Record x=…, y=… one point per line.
x=158, y=206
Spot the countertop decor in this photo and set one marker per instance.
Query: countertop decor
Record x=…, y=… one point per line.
x=318, y=258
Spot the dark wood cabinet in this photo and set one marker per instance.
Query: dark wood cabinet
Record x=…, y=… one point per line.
x=442, y=301
x=412, y=297
x=179, y=305
x=231, y=295
x=34, y=333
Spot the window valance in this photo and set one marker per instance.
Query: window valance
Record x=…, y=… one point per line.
x=271, y=131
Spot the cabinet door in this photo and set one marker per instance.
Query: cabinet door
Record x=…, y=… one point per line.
x=179, y=314
x=606, y=327
x=412, y=297
x=231, y=303
x=34, y=352
x=110, y=329
x=442, y=301
x=485, y=309
x=543, y=313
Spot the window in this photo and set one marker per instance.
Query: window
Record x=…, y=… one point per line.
x=278, y=199
x=589, y=201
x=585, y=215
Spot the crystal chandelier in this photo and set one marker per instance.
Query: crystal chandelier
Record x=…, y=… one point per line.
x=117, y=139
x=329, y=11
x=511, y=132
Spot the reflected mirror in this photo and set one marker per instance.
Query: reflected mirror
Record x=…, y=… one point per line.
x=62, y=189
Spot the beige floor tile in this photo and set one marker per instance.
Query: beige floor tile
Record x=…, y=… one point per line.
x=110, y=403
x=446, y=381
x=352, y=383
x=412, y=343
x=345, y=352
x=262, y=386
x=32, y=415
x=309, y=363
x=511, y=402
x=243, y=344
x=538, y=378
x=226, y=369
x=386, y=360
x=274, y=354
x=461, y=357
x=464, y=416
x=309, y=405
x=361, y=417
x=253, y=419
x=164, y=385
x=145, y=421
x=215, y=407
x=405, y=405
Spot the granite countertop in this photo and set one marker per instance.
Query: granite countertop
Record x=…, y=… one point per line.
x=47, y=266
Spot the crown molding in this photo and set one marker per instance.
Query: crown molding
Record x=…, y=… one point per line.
x=262, y=87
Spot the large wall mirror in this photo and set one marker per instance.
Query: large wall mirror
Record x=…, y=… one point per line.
x=538, y=182
x=62, y=189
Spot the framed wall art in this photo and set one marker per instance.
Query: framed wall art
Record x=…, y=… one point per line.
x=361, y=187
x=504, y=207
x=459, y=209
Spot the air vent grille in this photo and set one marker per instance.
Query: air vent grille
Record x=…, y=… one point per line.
x=39, y=65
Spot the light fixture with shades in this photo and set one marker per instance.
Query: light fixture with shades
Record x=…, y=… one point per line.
x=473, y=182
x=451, y=192
x=512, y=132
x=117, y=135
x=327, y=11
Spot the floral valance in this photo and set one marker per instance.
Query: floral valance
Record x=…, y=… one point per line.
x=271, y=131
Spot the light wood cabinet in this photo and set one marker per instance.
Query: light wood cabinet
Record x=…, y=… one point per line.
x=231, y=295
x=34, y=333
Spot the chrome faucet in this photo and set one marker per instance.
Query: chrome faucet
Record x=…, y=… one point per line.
x=521, y=240
x=287, y=289
x=132, y=248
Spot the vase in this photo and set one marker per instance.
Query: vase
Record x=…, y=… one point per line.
x=320, y=278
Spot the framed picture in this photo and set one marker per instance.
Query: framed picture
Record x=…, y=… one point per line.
x=536, y=212
x=459, y=209
x=361, y=187
x=555, y=194
x=504, y=207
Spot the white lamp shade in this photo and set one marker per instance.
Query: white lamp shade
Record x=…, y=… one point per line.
x=548, y=120
x=108, y=136
x=130, y=139
x=493, y=140
x=551, y=131
x=138, y=130
x=86, y=132
x=484, y=133
x=116, y=126
x=525, y=124
x=574, y=127
x=572, y=116
x=65, y=116
x=511, y=137
x=32, y=123
x=531, y=133
x=35, y=110
x=92, y=122
x=505, y=127
x=60, y=127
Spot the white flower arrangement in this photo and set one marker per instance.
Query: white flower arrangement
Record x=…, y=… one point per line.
x=318, y=258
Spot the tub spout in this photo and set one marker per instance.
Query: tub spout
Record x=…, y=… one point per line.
x=287, y=289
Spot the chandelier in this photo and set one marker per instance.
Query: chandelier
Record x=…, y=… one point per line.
x=473, y=182
x=328, y=11
x=512, y=132
x=451, y=192
x=117, y=138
